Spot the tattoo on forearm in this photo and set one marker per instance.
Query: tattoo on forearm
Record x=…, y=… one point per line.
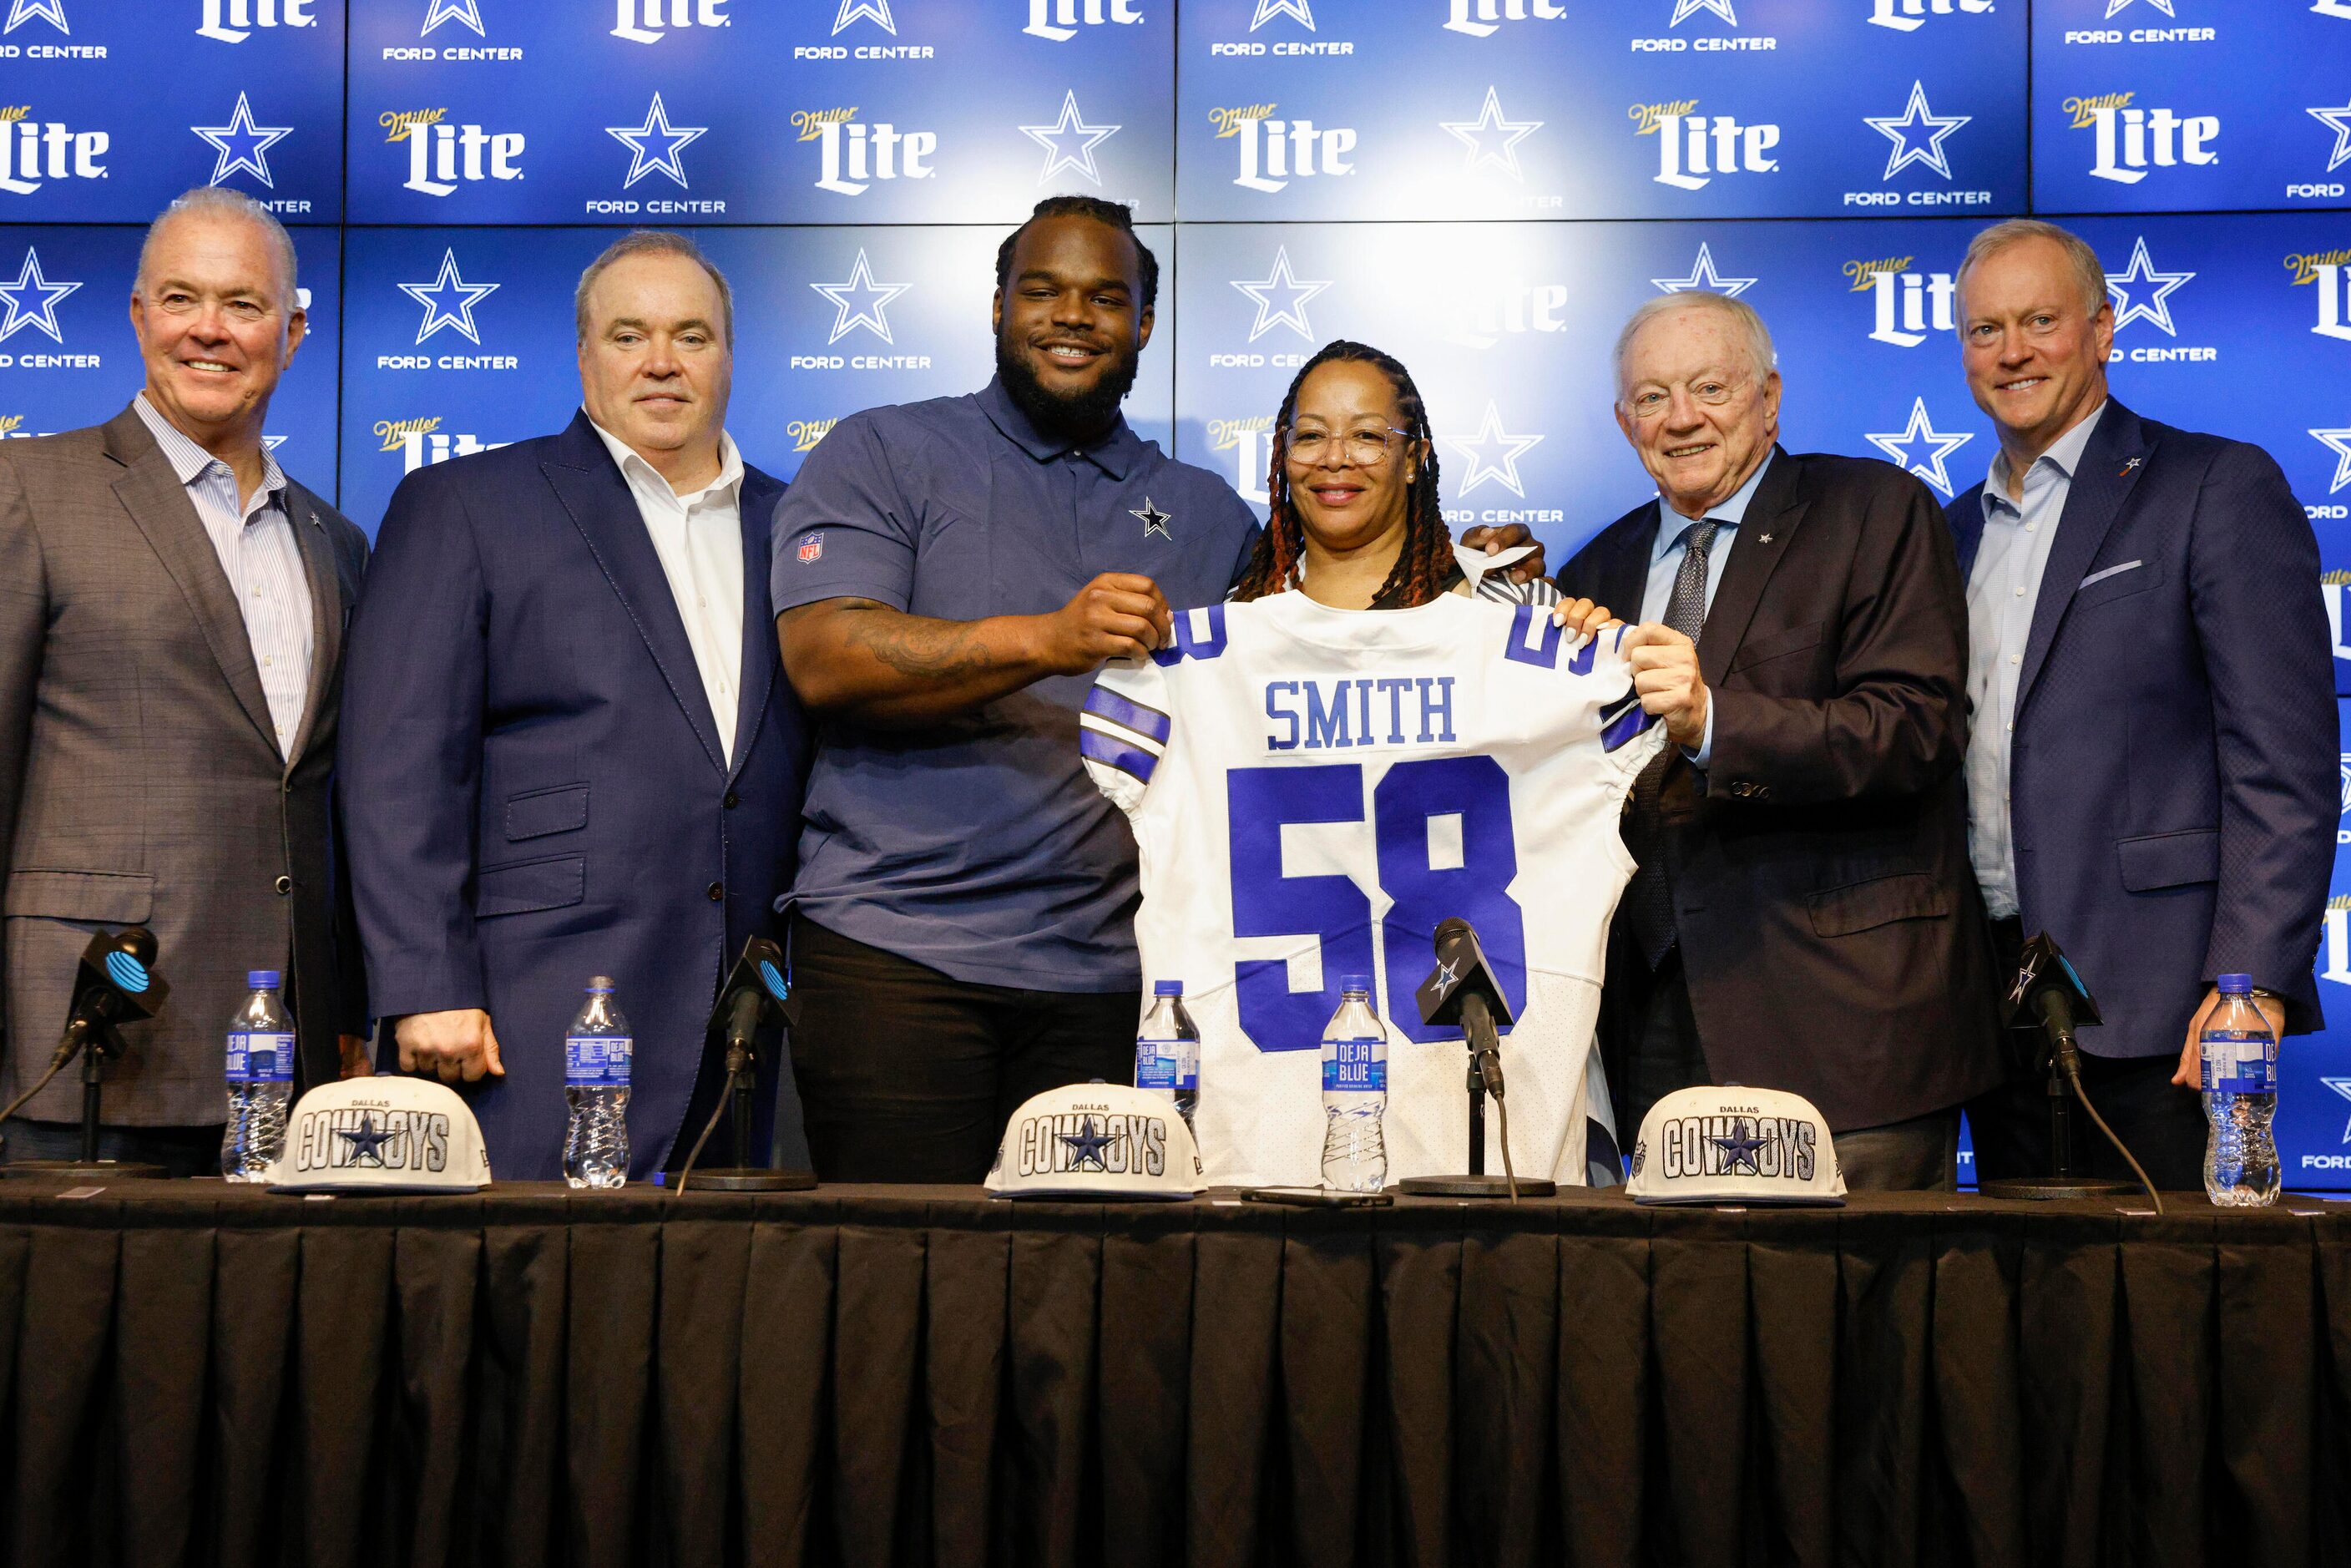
x=917, y=646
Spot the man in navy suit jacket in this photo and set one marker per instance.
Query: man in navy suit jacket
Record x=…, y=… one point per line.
x=563, y=755
x=2151, y=759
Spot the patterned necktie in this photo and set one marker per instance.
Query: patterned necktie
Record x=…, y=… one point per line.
x=1649, y=896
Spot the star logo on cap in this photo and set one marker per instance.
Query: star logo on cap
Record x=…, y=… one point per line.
x=1086, y=1145
x=1919, y=448
x=1069, y=142
x=1703, y=276
x=1154, y=521
x=53, y=11
x=861, y=301
x=1493, y=454
x=1280, y=298
x=1502, y=153
x=449, y=300
x=1739, y=1149
x=654, y=146
x=243, y=145
x=2151, y=308
x=1911, y=147
x=366, y=1144
x=32, y=301
x=464, y=13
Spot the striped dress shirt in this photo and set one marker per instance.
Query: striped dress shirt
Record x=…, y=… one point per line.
x=257, y=551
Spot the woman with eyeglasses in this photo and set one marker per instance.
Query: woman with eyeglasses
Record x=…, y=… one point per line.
x=1355, y=522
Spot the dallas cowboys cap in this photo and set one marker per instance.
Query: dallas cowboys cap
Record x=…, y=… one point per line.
x=1735, y=1145
x=1093, y=1141
x=381, y=1134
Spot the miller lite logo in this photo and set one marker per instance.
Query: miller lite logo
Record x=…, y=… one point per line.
x=854, y=155
x=1250, y=440
x=1906, y=306
x=1275, y=151
x=807, y=433
x=422, y=443
x=440, y=155
x=32, y=150
x=1483, y=18
x=1693, y=148
x=644, y=21
x=2331, y=271
x=1057, y=21
x=233, y=21
x=2131, y=141
x=1909, y=16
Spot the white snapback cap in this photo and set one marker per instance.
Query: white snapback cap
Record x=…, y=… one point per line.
x=1735, y=1145
x=381, y=1134
x=1093, y=1141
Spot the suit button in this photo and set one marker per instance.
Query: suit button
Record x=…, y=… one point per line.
x=717, y=891
x=733, y=800
x=285, y=884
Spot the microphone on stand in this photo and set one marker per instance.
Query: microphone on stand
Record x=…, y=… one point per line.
x=115, y=984
x=1463, y=990
x=755, y=996
x=2049, y=995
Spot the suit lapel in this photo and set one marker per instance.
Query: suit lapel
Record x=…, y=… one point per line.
x=2103, y=481
x=325, y=608
x=1756, y=546
x=760, y=655
x=158, y=503
x=593, y=491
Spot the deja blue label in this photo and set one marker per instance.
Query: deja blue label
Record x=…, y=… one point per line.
x=260, y=1057
x=2237, y=1061
x=1355, y=1064
x=596, y=1060
x=1156, y=1063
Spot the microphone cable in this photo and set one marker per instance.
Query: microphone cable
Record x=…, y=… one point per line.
x=43, y=1082
x=1490, y=1073
x=695, y=1152
x=2073, y=1076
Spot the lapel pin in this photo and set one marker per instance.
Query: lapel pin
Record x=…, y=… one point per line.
x=2133, y=464
x=1765, y=539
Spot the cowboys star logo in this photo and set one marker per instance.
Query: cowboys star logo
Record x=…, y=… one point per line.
x=1493, y=454
x=2154, y=308
x=2339, y=442
x=1281, y=298
x=464, y=13
x=1069, y=142
x=1154, y=521
x=2341, y=1086
x=242, y=144
x=654, y=146
x=449, y=300
x=861, y=301
x=1493, y=141
x=1919, y=448
x=1702, y=276
x=53, y=11
x=32, y=301
x=1917, y=134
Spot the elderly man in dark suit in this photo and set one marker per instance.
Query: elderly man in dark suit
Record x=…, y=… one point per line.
x=171, y=610
x=2151, y=769
x=1802, y=917
x=568, y=752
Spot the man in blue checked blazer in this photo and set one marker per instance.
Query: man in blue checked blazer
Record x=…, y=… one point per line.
x=2151, y=759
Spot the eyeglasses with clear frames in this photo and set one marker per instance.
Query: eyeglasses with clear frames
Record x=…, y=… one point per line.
x=1362, y=448
x=1712, y=391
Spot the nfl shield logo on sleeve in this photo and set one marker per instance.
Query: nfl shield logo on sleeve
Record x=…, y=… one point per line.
x=811, y=546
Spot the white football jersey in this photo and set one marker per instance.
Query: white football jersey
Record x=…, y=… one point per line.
x=1312, y=790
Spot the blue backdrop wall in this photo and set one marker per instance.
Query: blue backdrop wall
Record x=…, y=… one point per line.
x=1485, y=187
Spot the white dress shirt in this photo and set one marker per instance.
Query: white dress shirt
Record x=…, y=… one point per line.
x=2002, y=588
x=255, y=541
x=699, y=537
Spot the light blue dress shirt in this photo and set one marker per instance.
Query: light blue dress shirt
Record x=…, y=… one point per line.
x=1666, y=564
x=2002, y=588
x=255, y=541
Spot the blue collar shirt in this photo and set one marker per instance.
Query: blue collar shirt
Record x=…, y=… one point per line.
x=1665, y=555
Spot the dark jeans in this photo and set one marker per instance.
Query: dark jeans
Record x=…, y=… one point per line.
x=906, y=1075
x=2162, y=1121
x=181, y=1151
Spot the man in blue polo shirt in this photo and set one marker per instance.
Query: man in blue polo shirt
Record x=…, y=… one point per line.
x=948, y=576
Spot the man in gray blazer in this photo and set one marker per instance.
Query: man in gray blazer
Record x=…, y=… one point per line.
x=172, y=614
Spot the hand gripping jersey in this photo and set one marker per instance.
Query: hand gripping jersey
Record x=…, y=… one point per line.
x=1312, y=790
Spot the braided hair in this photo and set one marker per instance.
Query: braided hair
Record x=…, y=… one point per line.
x=1421, y=566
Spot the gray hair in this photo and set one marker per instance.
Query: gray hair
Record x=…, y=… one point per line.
x=217, y=201
x=654, y=242
x=2088, y=271
x=1743, y=315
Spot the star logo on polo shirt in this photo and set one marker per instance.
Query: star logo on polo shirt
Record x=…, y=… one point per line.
x=1739, y=1149
x=1069, y=142
x=1086, y=1146
x=1154, y=521
x=1917, y=134
x=861, y=301
x=366, y=1144
x=32, y=301
x=2152, y=307
x=1493, y=454
x=1703, y=276
x=243, y=145
x=449, y=300
x=654, y=146
x=1501, y=152
x=1919, y=448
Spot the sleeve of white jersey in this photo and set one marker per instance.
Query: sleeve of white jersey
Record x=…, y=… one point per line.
x=1629, y=734
x=1124, y=729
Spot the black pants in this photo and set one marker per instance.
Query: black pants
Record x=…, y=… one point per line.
x=2162, y=1123
x=190, y=1151
x=906, y=1075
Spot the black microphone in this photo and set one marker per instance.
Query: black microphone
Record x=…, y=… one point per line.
x=755, y=994
x=117, y=983
x=2048, y=993
x=1463, y=990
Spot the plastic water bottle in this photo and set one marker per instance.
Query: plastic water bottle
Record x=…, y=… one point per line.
x=260, y=1081
x=596, y=1054
x=1168, y=1051
x=2241, y=1161
x=1354, y=1092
